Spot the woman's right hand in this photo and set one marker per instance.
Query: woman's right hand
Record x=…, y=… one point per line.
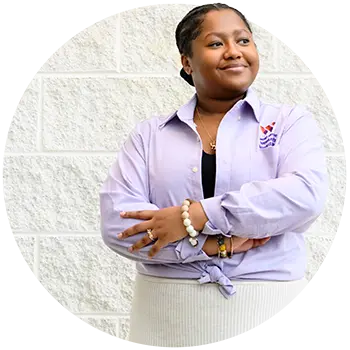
x=241, y=245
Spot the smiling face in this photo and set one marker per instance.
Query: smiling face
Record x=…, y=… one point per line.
x=224, y=56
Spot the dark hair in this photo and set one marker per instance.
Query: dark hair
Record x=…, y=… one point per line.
x=190, y=28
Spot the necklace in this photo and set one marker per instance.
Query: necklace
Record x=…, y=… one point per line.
x=212, y=142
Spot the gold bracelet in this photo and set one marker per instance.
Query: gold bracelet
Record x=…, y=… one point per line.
x=222, y=253
x=231, y=252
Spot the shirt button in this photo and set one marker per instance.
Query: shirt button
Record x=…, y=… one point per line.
x=194, y=169
x=239, y=117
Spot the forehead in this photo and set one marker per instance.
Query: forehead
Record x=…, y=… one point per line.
x=221, y=21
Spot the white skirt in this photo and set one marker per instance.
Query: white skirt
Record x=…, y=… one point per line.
x=181, y=312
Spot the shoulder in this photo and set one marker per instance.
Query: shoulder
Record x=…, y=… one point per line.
x=149, y=126
x=282, y=111
x=276, y=119
x=282, y=114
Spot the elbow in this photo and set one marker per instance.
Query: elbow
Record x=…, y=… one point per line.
x=315, y=210
x=313, y=195
x=105, y=232
x=109, y=231
x=319, y=203
x=319, y=193
x=109, y=223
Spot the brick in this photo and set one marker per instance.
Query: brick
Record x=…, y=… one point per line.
x=97, y=114
x=148, y=39
x=22, y=133
x=26, y=247
x=44, y=193
x=93, y=49
x=307, y=91
x=83, y=275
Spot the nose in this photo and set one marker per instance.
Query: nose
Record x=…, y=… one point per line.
x=232, y=51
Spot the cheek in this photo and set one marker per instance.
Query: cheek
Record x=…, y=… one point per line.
x=254, y=58
x=208, y=61
x=207, y=66
x=250, y=52
x=254, y=63
x=257, y=59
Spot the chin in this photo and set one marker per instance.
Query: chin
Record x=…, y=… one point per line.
x=236, y=87
x=235, y=81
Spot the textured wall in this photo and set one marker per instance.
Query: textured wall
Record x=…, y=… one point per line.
x=73, y=117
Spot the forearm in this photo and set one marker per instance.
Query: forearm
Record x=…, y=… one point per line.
x=210, y=246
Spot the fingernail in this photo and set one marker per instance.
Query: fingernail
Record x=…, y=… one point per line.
x=130, y=249
x=122, y=213
x=120, y=235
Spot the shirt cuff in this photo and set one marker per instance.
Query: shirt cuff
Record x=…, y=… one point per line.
x=187, y=253
x=209, y=229
x=216, y=215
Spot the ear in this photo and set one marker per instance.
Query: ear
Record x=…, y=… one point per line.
x=186, y=64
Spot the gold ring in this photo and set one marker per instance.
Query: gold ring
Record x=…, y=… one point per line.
x=150, y=235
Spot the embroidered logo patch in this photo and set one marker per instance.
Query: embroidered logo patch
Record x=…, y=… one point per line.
x=268, y=128
x=269, y=138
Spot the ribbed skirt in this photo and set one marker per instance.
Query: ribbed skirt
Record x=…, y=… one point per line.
x=181, y=312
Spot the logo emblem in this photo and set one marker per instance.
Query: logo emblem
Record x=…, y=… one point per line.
x=269, y=138
x=268, y=128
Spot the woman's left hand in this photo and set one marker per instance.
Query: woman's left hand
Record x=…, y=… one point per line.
x=166, y=225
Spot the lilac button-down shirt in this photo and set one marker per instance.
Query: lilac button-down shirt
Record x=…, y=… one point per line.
x=271, y=180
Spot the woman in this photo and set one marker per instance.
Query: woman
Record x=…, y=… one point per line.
x=219, y=192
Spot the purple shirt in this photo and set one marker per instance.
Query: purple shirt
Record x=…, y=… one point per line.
x=271, y=180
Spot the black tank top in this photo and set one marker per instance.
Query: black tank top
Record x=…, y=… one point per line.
x=208, y=174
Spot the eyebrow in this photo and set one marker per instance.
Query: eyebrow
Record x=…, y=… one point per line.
x=224, y=34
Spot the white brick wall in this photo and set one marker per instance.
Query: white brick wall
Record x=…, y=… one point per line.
x=72, y=119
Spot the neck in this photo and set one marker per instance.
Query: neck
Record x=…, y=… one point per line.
x=208, y=106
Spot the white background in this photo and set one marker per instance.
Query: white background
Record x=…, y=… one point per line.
x=27, y=30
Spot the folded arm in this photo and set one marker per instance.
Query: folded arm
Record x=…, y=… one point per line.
x=290, y=202
x=126, y=189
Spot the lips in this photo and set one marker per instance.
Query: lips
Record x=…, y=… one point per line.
x=234, y=66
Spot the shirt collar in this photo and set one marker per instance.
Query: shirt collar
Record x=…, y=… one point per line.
x=185, y=112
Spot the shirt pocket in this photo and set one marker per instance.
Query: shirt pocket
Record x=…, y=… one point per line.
x=264, y=163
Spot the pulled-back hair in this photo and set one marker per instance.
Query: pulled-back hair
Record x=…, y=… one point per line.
x=190, y=27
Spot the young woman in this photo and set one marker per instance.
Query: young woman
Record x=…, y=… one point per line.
x=216, y=195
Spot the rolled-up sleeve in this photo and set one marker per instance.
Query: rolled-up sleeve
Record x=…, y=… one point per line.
x=126, y=189
x=290, y=202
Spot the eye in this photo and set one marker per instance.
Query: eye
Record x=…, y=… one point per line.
x=216, y=44
x=245, y=41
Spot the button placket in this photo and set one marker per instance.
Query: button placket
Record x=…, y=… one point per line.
x=195, y=165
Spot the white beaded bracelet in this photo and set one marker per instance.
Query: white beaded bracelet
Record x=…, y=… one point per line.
x=187, y=222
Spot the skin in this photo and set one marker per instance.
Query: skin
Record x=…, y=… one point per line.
x=224, y=40
x=218, y=90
